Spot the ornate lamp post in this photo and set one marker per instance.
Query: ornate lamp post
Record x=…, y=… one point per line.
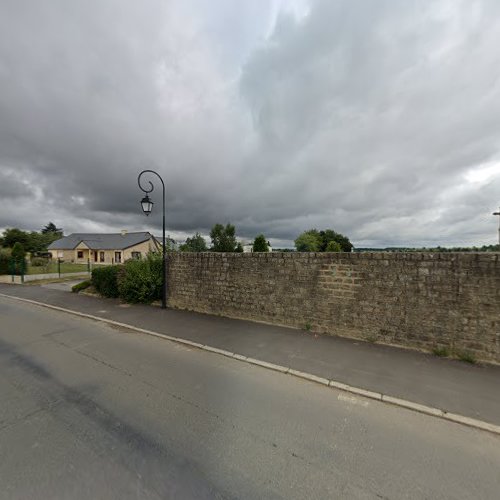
x=147, y=207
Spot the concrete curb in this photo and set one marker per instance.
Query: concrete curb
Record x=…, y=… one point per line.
x=402, y=403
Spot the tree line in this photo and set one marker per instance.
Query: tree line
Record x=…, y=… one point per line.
x=14, y=243
x=223, y=239
x=438, y=249
x=31, y=241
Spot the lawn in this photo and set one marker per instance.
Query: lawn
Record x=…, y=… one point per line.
x=66, y=267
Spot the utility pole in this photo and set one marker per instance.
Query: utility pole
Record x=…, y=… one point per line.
x=498, y=213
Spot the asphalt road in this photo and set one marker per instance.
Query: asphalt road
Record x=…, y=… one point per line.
x=90, y=411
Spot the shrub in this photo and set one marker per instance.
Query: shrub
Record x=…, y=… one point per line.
x=18, y=252
x=141, y=280
x=39, y=262
x=18, y=258
x=105, y=280
x=5, y=258
x=81, y=286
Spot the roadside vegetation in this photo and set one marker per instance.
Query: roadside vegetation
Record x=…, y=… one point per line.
x=81, y=286
x=465, y=356
x=105, y=280
x=442, y=352
x=140, y=281
x=135, y=281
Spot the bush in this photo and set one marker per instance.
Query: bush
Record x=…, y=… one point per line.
x=81, y=286
x=5, y=258
x=18, y=252
x=141, y=280
x=105, y=280
x=39, y=262
x=18, y=258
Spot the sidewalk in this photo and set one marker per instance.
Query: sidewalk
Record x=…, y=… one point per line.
x=450, y=385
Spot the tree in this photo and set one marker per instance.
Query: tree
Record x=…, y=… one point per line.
x=38, y=242
x=13, y=236
x=194, y=244
x=223, y=238
x=333, y=246
x=329, y=235
x=319, y=241
x=5, y=260
x=260, y=244
x=31, y=242
x=239, y=247
x=51, y=228
x=18, y=253
x=308, y=241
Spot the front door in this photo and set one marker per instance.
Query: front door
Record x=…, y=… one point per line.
x=95, y=256
x=118, y=257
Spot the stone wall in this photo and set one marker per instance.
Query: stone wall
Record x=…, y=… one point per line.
x=421, y=300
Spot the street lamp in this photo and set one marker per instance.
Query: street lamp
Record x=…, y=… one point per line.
x=498, y=213
x=147, y=207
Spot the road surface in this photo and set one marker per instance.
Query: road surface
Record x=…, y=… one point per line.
x=90, y=411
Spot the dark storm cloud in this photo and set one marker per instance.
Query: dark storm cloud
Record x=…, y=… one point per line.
x=374, y=110
x=368, y=117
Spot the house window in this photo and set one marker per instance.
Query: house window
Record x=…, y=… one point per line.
x=118, y=257
x=80, y=254
x=101, y=256
x=136, y=255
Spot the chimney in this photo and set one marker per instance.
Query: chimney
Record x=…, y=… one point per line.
x=124, y=232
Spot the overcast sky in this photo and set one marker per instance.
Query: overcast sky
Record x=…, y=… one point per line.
x=379, y=119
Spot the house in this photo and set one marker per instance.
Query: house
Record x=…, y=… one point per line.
x=103, y=248
x=248, y=247
x=170, y=244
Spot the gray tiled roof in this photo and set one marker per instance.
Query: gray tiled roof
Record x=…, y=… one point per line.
x=113, y=241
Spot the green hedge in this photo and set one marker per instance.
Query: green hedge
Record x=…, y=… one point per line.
x=141, y=280
x=105, y=280
x=136, y=281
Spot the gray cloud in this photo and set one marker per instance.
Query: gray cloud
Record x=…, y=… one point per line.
x=374, y=118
